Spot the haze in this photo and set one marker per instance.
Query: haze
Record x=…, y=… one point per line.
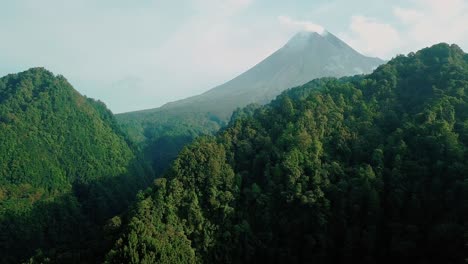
x=141, y=54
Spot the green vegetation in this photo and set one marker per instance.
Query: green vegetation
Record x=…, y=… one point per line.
x=368, y=169
x=163, y=134
x=65, y=168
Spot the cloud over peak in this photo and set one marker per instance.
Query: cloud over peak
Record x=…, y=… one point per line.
x=298, y=25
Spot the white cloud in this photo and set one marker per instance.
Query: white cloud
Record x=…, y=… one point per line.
x=425, y=23
x=298, y=25
x=372, y=37
x=240, y=3
x=226, y=7
x=407, y=16
x=433, y=21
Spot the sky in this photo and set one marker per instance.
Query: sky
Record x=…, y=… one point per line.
x=136, y=55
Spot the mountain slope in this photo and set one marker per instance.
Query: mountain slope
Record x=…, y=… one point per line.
x=58, y=150
x=369, y=168
x=306, y=56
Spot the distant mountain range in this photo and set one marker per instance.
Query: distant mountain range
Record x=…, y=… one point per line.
x=306, y=56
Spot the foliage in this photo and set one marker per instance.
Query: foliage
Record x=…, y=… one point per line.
x=65, y=167
x=366, y=169
x=162, y=134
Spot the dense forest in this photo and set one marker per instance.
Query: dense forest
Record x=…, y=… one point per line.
x=65, y=169
x=364, y=169
x=162, y=135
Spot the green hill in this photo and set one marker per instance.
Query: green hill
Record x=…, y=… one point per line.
x=65, y=168
x=368, y=169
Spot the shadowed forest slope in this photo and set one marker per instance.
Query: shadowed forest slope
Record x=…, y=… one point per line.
x=65, y=167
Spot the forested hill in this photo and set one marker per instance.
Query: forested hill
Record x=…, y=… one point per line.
x=368, y=169
x=65, y=167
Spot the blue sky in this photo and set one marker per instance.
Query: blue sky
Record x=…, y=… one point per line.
x=141, y=54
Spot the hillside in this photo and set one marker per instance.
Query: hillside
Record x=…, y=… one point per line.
x=65, y=167
x=366, y=169
x=308, y=55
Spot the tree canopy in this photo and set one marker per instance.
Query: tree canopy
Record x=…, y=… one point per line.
x=368, y=168
x=65, y=167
